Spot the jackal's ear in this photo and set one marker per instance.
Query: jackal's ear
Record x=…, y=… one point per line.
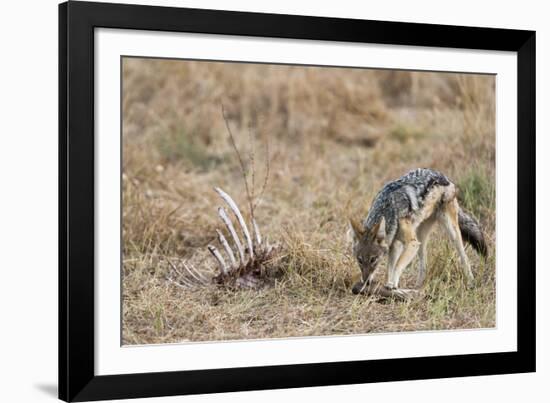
x=378, y=232
x=357, y=230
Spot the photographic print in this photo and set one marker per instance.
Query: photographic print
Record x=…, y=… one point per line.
x=253, y=201
x=265, y=201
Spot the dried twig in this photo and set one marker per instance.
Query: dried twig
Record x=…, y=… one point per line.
x=252, y=139
x=266, y=177
x=253, y=200
x=241, y=162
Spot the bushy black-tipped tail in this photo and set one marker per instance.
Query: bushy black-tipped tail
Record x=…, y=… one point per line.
x=471, y=232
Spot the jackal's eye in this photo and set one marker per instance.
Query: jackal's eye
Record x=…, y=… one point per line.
x=360, y=260
x=373, y=260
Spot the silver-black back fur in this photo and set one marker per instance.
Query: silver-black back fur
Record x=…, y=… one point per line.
x=401, y=197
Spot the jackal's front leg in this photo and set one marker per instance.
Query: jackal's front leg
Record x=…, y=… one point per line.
x=409, y=251
x=396, y=249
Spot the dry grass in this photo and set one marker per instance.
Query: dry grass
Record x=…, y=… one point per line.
x=336, y=135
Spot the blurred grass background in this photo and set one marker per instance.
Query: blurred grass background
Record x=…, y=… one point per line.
x=336, y=135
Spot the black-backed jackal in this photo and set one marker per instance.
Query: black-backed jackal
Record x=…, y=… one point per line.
x=399, y=223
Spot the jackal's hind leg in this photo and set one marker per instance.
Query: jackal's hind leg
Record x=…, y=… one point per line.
x=422, y=263
x=449, y=218
x=423, y=233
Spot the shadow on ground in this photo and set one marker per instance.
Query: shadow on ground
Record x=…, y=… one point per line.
x=49, y=389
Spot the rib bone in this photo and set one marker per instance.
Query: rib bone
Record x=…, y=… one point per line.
x=245, y=270
x=182, y=281
x=223, y=215
x=185, y=285
x=233, y=206
x=219, y=258
x=228, y=250
x=195, y=274
x=173, y=266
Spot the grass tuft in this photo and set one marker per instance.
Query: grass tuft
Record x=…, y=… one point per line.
x=477, y=191
x=181, y=147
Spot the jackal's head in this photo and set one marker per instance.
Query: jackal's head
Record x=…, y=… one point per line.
x=369, y=247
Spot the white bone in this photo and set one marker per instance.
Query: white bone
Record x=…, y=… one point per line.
x=195, y=274
x=223, y=215
x=181, y=276
x=233, y=206
x=186, y=283
x=174, y=268
x=184, y=286
x=228, y=250
x=219, y=258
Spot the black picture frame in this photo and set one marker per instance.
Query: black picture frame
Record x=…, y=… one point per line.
x=77, y=21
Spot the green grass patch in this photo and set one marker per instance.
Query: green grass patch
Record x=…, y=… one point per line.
x=477, y=191
x=180, y=146
x=404, y=133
